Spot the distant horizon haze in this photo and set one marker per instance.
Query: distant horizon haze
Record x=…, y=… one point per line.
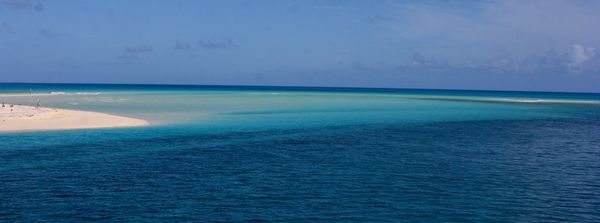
x=286, y=86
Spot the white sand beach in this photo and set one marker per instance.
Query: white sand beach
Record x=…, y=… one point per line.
x=27, y=118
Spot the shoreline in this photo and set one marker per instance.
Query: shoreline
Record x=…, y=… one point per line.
x=21, y=118
x=46, y=94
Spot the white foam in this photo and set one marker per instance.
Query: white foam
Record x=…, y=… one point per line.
x=99, y=99
x=514, y=100
x=87, y=93
x=527, y=100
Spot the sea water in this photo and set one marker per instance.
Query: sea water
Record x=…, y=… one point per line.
x=218, y=153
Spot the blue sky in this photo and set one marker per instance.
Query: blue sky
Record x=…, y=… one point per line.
x=540, y=45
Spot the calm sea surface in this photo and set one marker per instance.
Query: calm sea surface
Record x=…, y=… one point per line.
x=306, y=154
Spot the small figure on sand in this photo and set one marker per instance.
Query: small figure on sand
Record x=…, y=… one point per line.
x=11, y=107
x=37, y=106
x=3, y=105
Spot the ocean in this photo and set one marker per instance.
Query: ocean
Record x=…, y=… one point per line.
x=306, y=154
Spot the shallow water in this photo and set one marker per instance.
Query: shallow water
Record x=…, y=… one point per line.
x=307, y=154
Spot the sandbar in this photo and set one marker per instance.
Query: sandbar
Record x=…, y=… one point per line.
x=20, y=118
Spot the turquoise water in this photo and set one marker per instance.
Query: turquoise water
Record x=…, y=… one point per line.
x=306, y=154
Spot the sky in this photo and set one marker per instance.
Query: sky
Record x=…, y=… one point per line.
x=545, y=45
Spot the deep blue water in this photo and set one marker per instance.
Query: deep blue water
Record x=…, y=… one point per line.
x=25, y=87
x=348, y=156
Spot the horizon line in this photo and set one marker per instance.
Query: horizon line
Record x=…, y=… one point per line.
x=300, y=86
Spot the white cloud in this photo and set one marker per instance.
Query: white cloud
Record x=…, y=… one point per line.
x=460, y=31
x=579, y=56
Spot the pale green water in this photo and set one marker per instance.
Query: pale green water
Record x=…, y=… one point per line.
x=251, y=110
